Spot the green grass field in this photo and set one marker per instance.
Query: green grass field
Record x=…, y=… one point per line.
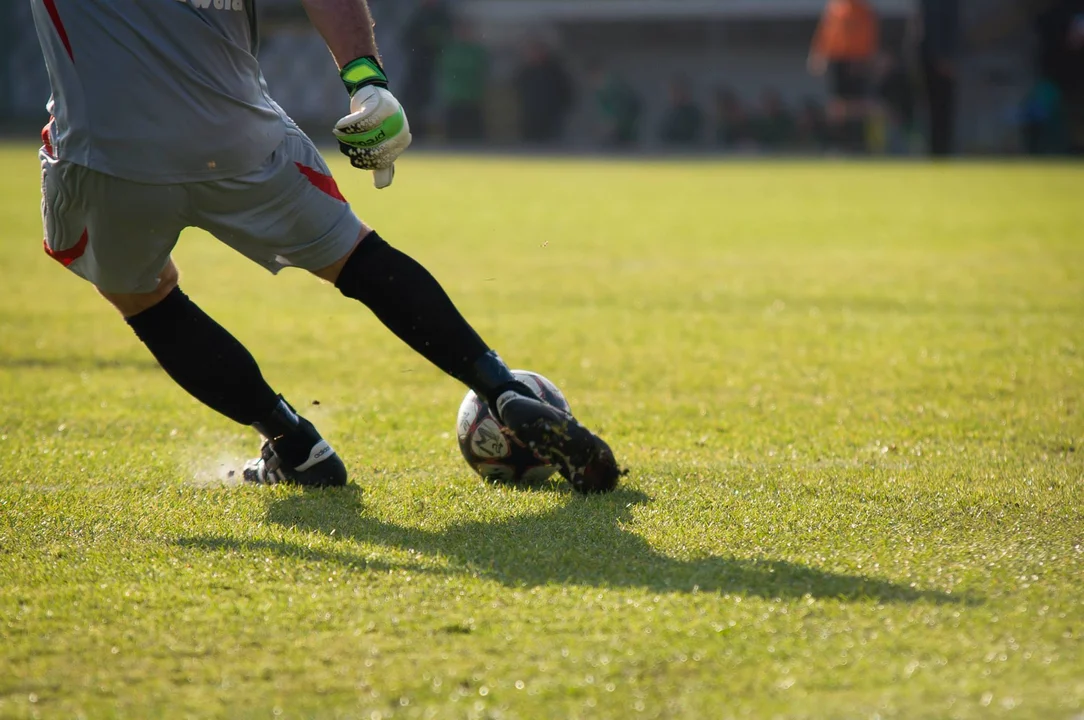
x=851, y=397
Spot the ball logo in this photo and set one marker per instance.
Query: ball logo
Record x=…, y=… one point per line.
x=488, y=440
x=493, y=452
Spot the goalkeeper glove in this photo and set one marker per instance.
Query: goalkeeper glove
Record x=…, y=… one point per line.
x=376, y=131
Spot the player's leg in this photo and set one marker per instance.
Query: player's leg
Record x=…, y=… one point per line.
x=282, y=213
x=215, y=368
x=118, y=235
x=299, y=218
x=412, y=304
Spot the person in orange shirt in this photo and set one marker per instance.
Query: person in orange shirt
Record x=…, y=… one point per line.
x=845, y=44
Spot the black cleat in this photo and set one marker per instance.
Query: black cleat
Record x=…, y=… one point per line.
x=555, y=437
x=296, y=438
x=322, y=469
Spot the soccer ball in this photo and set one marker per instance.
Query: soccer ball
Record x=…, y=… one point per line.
x=492, y=453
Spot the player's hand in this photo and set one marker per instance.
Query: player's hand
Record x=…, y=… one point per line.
x=376, y=131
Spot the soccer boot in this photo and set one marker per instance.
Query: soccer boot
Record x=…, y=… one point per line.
x=555, y=437
x=288, y=435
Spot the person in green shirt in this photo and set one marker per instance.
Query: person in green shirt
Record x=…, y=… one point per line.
x=683, y=122
x=424, y=38
x=463, y=74
x=618, y=105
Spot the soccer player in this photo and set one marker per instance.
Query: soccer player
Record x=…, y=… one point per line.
x=162, y=121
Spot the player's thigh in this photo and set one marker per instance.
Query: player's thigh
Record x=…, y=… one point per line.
x=113, y=233
x=288, y=212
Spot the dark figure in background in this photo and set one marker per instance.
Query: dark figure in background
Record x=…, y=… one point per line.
x=618, y=106
x=8, y=34
x=424, y=38
x=545, y=94
x=1060, y=26
x=774, y=127
x=811, y=127
x=463, y=74
x=897, y=102
x=733, y=129
x=1052, y=115
x=935, y=36
x=684, y=120
x=1042, y=120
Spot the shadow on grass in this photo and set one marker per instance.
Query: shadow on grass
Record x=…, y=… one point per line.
x=293, y=550
x=581, y=542
x=78, y=364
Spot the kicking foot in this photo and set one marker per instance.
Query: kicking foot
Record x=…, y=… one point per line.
x=584, y=459
x=294, y=453
x=322, y=469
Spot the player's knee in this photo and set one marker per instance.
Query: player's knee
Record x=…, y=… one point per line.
x=129, y=304
x=332, y=272
x=168, y=280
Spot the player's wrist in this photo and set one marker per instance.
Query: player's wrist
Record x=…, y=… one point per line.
x=361, y=72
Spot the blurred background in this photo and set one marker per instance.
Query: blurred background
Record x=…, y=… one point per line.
x=794, y=77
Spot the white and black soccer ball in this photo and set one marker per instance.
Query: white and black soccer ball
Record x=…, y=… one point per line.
x=490, y=451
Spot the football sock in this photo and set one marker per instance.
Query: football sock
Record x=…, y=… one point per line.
x=491, y=378
x=293, y=435
x=411, y=303
x=203, y=358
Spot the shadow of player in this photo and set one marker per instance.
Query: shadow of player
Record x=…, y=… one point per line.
x=74, y=363
x=581, y=542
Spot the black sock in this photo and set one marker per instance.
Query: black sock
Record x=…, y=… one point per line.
x=204, y=359
x=413, y=305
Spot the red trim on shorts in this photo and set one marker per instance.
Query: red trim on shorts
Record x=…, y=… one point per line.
x=47, y=139
x=50, y=7
x=67, y=257
x=326, y=183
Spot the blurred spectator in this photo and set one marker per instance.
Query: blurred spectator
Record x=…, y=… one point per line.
x=618, y=105
x=846, y=41
x=733, y=129
x=935, y=36
x=545, y=94
x=8, y=34
x=1052, y=116
x=463, y=72
x=424, y=38
x=683, y=121
x=811, y=132
x=896, y=104
x=1060, y=24
x=774, y=128
x=1042, y=120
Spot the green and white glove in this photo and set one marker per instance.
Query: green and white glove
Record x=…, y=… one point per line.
x=376, y=131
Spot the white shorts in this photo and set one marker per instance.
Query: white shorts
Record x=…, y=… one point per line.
x=119, y=234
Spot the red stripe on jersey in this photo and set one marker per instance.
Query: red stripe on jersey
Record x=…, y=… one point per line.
x=67, y=257
x=321, y=181
x=50, y=7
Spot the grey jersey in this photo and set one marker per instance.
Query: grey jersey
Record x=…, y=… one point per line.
x=157, y=91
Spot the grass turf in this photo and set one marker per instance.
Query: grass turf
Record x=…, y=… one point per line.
x=850, y=396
